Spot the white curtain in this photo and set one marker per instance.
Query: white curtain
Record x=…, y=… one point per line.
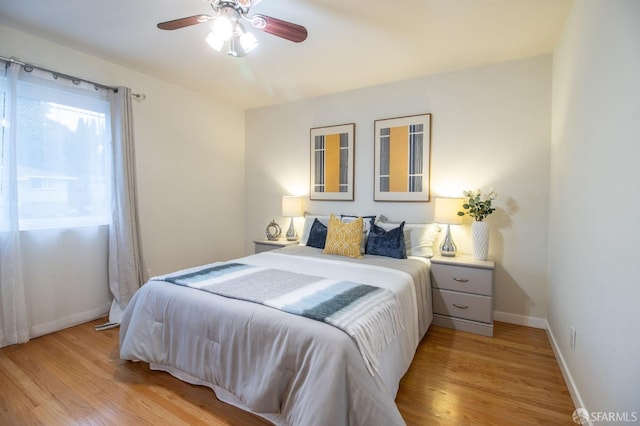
x=127, y=271
x=79, y=264
x=15, y=325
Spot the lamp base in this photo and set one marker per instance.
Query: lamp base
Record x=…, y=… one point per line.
x=448, y=247
x=291, y=232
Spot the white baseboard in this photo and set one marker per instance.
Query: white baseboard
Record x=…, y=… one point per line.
x=37, y=330
x=70, y=321
x=566, y=374
x=520, y=319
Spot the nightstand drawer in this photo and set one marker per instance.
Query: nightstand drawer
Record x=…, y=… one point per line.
x=266, y=245
x=462, y=305
x=259, y=248
x=461, y=278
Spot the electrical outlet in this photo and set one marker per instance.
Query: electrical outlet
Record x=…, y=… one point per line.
x=572, y=338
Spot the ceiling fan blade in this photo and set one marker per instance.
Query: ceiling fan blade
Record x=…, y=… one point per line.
x=183, y=22
x=280, y=28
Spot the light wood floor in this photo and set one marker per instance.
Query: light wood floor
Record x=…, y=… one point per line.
x=76, y=377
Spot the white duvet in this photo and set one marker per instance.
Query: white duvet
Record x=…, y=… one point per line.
x=286, y=368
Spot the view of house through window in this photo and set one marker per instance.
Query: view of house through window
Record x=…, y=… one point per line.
x=63, y=153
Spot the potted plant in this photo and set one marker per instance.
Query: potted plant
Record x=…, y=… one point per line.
x=479, y=208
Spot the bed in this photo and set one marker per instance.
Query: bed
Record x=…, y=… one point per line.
x=289, y=369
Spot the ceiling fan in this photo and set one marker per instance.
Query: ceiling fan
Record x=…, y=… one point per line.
x=228, y=32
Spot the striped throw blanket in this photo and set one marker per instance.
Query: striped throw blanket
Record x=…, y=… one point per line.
x=370, y=315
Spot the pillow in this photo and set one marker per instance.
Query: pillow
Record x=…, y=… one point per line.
x=387, y=243
x=418, y=237
x=344, y=239
x=317, y=234
x=308, y=223
x=366, y=226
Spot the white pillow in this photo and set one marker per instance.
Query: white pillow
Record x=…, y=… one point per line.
x=418, y=237
x=308, y=222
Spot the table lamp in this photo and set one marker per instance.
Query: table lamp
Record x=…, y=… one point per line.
x=446, y=212
x=291, y=207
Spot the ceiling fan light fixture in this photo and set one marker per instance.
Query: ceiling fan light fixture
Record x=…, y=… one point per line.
x=247, y=40
x=214, y=42
x=235, y=46
x=227, y=33
x=222, y=28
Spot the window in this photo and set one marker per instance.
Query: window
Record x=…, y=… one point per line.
x=63, y=137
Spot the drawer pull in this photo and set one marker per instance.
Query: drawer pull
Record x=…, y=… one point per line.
x=460, y=306
x=461, y=280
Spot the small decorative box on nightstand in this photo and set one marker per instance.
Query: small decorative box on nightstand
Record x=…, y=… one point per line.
x=266, y=245
x=462, y=290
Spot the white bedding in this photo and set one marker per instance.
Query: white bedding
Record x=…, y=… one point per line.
x=286, y=368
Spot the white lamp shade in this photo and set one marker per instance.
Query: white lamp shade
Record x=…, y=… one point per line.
x=291, y=206
x=214, y=41
x=222, y=28
x=446, y=210
x=248, y=42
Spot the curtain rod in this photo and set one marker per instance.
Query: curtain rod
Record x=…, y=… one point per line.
x=137, y=96
x=56, y=73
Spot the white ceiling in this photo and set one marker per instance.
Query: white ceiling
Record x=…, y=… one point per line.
x=351, y=43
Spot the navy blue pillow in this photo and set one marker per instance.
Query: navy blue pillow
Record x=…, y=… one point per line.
x=317, y=234
x=387, y=243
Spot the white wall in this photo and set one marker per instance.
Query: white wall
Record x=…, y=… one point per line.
x=594, y=281
x=190, y=160
x=490, y=127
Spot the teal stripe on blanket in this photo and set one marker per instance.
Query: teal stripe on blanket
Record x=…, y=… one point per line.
x=319, y=296
x=206, y=273
x=324, y=303
x=340, y=301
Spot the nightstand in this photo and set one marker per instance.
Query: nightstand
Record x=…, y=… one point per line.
x=266, y=245
x=462, y=290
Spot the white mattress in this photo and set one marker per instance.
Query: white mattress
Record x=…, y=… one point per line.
x=286, y=368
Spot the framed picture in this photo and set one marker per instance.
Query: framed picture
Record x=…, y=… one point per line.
x=402, y=158
x=332, y=153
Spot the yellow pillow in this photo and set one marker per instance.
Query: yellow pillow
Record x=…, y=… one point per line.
x=344, y=238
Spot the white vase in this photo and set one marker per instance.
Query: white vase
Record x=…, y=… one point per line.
x=480, y=240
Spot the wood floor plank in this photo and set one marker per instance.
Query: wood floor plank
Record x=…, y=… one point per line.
x=511, y=378
x=75, y=376
x=35, y=364
x=99, y=389
x=15, y=399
